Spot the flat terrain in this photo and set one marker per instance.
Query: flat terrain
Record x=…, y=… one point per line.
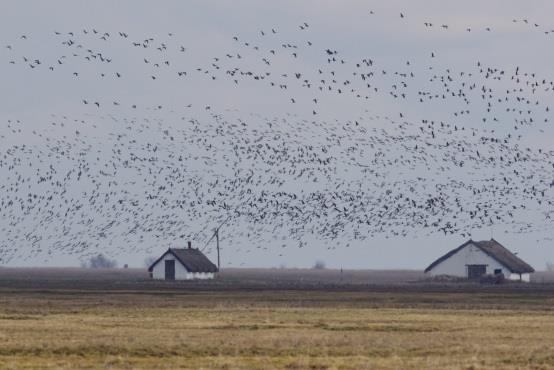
x=270, y=319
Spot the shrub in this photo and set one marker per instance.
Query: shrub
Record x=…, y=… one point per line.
x=492, y=279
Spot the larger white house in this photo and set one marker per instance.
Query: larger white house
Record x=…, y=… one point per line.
x=183, y=264
x=474, y=259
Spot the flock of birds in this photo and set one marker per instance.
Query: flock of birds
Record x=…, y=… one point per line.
x=124, y=177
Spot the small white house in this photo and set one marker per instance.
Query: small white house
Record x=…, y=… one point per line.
x=182, y=264
x=474, y=259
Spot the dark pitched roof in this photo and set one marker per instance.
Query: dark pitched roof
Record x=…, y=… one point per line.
x=504, y=256
x=191, y=258
x=495, y=250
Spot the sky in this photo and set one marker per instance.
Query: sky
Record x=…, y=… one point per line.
x=506, y=35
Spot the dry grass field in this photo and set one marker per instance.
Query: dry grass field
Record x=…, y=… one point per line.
x=67, y=319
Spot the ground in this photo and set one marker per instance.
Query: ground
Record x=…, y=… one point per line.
x=270, y=319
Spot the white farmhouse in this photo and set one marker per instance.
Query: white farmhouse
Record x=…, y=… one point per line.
x=474, y=259
x=182, y=264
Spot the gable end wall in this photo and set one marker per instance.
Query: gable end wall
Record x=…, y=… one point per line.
x=181, y=272
x=158, y=272
x=456, y=265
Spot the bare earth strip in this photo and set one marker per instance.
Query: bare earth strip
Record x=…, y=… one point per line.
x=402, y=326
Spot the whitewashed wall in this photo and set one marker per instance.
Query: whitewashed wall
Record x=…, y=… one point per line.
x=181, y=273
x=158, y=272
x=202, y=275
x=524, y=277
x=469, y=255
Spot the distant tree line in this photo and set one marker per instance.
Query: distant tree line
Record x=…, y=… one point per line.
x=99, y=262
x=319, y=265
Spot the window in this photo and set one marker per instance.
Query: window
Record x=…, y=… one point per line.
x=497, y=271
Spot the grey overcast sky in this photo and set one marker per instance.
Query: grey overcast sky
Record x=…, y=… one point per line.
x=55, y=65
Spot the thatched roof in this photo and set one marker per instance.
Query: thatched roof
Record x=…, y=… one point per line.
x=495, y=250
x=191, y=258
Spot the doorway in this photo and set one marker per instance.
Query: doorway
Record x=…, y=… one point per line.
x=476, y=271
x=170, y=270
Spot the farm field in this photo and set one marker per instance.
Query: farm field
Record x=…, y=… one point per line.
x=48, y=320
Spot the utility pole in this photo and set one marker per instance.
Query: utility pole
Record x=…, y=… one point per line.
x=216, y=236
x=217, y=243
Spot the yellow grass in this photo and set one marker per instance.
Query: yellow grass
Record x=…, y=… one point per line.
x=269, y=330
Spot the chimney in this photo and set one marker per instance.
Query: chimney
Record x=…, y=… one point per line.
x=190, y=244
